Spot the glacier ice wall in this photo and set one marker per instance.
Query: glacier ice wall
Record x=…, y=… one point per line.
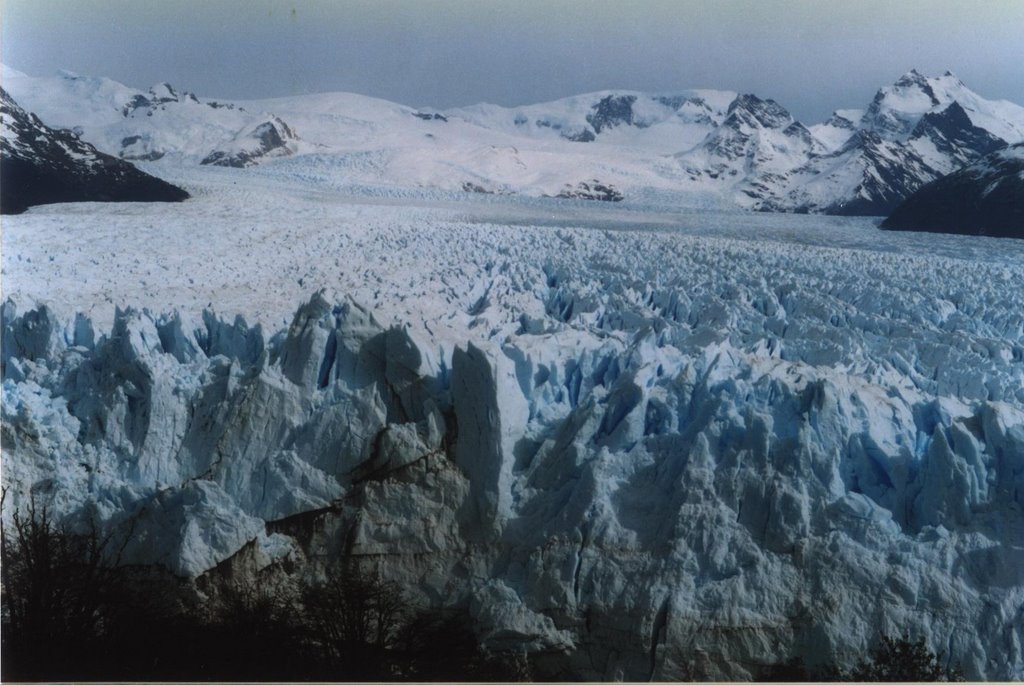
x=644, y=479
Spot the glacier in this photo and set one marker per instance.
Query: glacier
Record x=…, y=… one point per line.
x=636, y=444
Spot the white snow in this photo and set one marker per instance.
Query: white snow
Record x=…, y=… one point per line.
x=837, y=130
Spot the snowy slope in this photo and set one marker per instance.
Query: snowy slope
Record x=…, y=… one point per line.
x=638, y=444
x=367, y=141
x=838, y=129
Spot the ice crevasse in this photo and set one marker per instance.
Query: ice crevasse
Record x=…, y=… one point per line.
x=628, y=498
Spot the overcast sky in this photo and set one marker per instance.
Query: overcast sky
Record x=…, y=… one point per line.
x=811, y=56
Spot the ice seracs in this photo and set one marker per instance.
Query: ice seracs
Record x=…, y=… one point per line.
x=625, y=489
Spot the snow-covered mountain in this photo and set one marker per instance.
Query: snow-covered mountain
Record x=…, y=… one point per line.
x=897, y=110
x=151, y=125
x=264, y=140
x=985, y=198
x=752, y=151
x=912, y=133
x=697, y=147
x=41, y=165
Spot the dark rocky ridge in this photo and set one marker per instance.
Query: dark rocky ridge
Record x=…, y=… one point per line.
x=757, y=113
x=145, y=104
x=430, y=116
x=890, y=173
x=41, y=165
x=954, y=134
x=986, y=198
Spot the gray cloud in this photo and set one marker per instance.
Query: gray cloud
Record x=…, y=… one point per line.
x=810, y=56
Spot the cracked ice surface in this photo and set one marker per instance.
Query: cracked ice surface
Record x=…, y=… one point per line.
x=636, y=441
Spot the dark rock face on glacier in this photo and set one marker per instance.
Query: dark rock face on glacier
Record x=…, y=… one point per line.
x=612, y=110
x=986, y=198
x=269, y=138
x=591, y=190
x=430, y=116
x=41, y=165
x=582, y=136
x=160, y=94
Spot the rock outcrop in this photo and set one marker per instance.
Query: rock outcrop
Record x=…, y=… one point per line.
x=270, y=138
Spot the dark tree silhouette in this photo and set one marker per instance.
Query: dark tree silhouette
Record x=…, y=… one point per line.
x=58, y=590
x=354, y=619
x=792, y=671
x=900, y=660
x=441, y=646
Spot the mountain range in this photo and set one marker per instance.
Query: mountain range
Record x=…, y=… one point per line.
x=701, y=146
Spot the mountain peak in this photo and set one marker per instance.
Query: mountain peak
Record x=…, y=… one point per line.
x=949, y=78
x=164, y=90
x=749, y=108
x=911, y=78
